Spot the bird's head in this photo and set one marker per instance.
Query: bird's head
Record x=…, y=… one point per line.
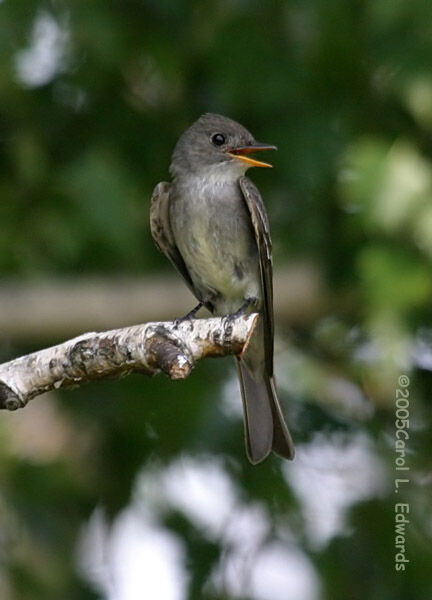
x=217, y=144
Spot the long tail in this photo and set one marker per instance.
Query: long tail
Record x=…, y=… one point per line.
x=265, y=427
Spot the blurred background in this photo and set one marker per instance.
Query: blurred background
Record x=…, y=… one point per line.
x=140, y=488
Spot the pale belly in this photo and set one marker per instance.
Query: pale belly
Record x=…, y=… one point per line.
x=216, y=242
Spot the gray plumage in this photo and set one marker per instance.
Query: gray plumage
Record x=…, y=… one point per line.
x=212, y=224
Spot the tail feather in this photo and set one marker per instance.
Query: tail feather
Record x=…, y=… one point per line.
x=282, y=440
x=265, y=427
x=258, y=418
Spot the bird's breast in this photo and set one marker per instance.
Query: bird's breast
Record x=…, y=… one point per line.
x=213, y=232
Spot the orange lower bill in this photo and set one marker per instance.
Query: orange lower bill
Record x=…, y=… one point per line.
x=250, y=161
x=243, y=154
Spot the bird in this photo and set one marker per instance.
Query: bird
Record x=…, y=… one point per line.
x=211, y=223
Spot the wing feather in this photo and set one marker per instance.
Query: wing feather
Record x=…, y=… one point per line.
x=160, y=227
x=261, y=229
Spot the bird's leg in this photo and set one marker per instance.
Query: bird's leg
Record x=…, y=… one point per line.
x=243, y=308
x=240, y=312
x=190, y=315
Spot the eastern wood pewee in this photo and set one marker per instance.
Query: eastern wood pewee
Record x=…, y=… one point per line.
x=212, y=224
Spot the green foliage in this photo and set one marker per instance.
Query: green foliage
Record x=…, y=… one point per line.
x=93, y=96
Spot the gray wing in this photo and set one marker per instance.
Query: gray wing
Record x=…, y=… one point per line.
x=161, y=230
x=260, y=225
x=253, y=391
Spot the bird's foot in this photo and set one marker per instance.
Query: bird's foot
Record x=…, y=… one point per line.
x=189, y=316
x=243, y=308
x=239, y=313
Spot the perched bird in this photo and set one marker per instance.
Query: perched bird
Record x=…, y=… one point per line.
x=212, y=224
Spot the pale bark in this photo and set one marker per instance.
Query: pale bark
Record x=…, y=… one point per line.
x=171, y=347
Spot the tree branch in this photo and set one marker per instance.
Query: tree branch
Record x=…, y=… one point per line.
x=171, y=347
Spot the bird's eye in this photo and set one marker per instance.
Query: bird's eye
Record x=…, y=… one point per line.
x=218, y=139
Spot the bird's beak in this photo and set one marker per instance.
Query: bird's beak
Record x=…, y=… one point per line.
x=243, y=152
